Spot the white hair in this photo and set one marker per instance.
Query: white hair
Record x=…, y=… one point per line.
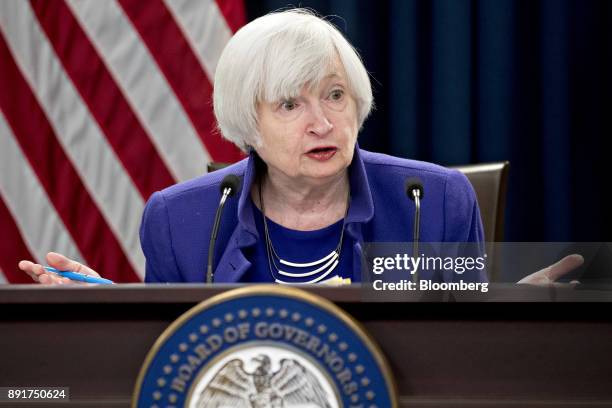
x=274, y=57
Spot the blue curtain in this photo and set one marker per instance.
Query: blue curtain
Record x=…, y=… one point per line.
x=471, y=81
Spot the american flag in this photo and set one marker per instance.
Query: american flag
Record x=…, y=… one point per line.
x=102, y=103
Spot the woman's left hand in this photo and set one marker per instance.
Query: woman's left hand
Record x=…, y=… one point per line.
x=549, y=275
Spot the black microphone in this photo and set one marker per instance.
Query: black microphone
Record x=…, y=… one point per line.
x=229, y=186
x=414, y=190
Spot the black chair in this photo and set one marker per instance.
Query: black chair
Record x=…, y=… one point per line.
x=490, y=181
x=214, y=166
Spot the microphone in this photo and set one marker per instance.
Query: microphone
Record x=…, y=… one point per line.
x=414, y=191
x=229, y=186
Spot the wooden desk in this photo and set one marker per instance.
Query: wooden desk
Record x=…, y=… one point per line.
x=513, y=346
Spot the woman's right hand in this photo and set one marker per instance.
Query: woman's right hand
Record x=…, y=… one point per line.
x=38, y=273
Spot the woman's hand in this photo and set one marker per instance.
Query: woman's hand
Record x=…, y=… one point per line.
x=549, y=275
x=38, y=273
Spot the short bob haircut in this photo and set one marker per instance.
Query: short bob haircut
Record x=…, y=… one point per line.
x=273, y=58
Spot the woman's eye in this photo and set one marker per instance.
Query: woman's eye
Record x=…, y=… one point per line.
x=336, y=94
x=288, y=105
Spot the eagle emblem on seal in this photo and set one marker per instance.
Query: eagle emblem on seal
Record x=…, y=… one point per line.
x=291, y=386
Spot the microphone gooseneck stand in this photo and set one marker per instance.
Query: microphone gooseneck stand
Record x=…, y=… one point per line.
x=414, y=190
x=229, y=186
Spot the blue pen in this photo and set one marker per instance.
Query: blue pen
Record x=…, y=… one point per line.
x=81, y=277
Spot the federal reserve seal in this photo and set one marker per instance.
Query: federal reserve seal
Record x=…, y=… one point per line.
x=265, y=347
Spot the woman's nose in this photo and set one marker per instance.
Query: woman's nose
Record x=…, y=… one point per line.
x=320, y=125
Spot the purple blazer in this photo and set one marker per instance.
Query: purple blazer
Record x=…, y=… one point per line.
x=177, y=221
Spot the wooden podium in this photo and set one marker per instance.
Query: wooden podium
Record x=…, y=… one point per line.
x=511, y=347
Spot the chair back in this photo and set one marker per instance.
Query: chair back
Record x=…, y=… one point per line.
x=490, y=181
x=214, y=166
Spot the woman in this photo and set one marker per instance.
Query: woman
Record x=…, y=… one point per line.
x=293, y=93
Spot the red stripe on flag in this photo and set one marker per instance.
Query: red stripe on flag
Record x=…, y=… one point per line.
x=183, y=71
x=233, y=11
x=103, y=97
x=56, y=174
x=12, y=247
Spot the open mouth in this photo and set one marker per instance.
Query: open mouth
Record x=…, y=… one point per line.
x=322, y=149
x=322, y=153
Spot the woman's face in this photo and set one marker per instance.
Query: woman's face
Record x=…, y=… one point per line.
x=310, y=138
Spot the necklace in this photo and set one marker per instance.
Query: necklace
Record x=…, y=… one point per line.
x=324, y=266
